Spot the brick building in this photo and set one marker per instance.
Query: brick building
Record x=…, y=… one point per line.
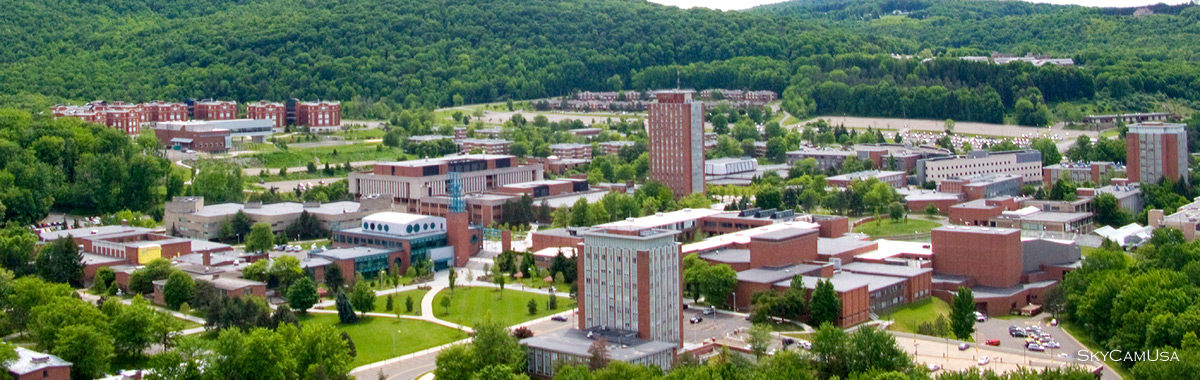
x=614, y=147
x=127, y=118
x=191, y=217
x=319, y=116
x=411, y=181
x=676, y=128
x=892, y=178
x=399, y=238
x=1024, y=163
x=264, y=110
x=1093, y=172
x=827, y=158
x=487, y=146
x=1156, y=150
x=899, y=157
x=33, y=365
x=158, y=110
x=572, y=151
x=982, y=186
x=215, y=110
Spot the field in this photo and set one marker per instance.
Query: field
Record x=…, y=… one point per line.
x=886, y=228
x=296, y=157
x=377, y=338
x=908, y=317
x=468, y=305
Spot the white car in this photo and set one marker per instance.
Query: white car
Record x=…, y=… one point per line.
x=1036, y=347
x=984, y=360
x=1052, y=344
x=804, y=344
x=933, y=367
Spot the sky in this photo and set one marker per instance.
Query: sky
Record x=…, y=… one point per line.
x=743, y=4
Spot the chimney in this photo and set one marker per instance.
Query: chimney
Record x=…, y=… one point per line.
x=207, y=261
x=125, y=222
x=40, y=359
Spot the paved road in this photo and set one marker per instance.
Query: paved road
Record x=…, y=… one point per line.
x=301, y=169
x=998, y=329
x=288, y=186
x=945, y=353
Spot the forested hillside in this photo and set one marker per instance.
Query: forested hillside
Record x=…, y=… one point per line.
x=827, y=54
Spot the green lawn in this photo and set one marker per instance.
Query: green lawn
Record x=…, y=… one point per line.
x=539, y=282
x=294, y=157
x=908, y=317
x=1086, y=251
x=470, y=305
x=397, y=302
x=885, y=228
x=377, y=338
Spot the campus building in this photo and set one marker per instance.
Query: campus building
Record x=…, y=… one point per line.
x=33, y=365
x=1024, y=163
x=319, y=116
x=107, y=246
x=125, y=117
x=211, y=136
x=264, y=110
x=215, y=110
x=827, y=158
x=411, y=181
x=190, y=217
x=614, y=147
x=981, y=186
x=676, y=128
x=1005, y=271
x=630, y=294
x=399, y=238
x=1094, y=172
x=157, y=111
x=898, y=157
x=486, y=146
x=1130, y=118
x=1156, y=150
x=729, y=165
x=892, y=178
x=572, y=151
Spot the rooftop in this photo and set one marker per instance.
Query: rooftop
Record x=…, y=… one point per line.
x=743, y=237
x=885, y=269
x=281, y=208
x=1056, y=217
x=624, y=347
x=846, y=281
x=978, y=230
x=833, y=246
x=352, y=253
x=397, y=217
x=864, y=175
x=771, y=275
x=728, y=256
x=664, y=219
x=785, y=234
x=891, y=248
x=29, y=361
x=446, y=159
x=92, y=231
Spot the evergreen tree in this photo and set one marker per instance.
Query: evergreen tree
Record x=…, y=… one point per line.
x=60, y=261
x=962, y=313
x=825, y=306
x=345, y=311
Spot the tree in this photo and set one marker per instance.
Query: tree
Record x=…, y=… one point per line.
x=408, y=304
x=949, y=126
x=498, y=278
x=453, y=277
x=87, y=349
x=136, y=333
x=303, y=295
x=363, y=297
x=179, y=288
x=261, y=239
x=759, y=340
x=456, y=362
x=345, y=311
x=257, y=354
x=1109, y=211
x=16, y=249
x=716, y=283
x=962, y=313
x=552, y=303
x=825, y=306
x=49, y=320
x=896, y=211
x=532, y=306
x=333, y=277
x=445, y=303
x=598, y=354
x=60, y=261
x=931, y=210
x=1050, y=154
x=493, y=345
x=219, y=183
x=286, y=269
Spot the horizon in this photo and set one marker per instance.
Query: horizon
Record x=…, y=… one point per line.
x=730, y=5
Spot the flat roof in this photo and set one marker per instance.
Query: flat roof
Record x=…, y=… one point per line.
x=929, y=195
x=92, y=231
x=833, y=246
x=885, y=269
x=1056, y=217
x=734, y=255
x=742, y=237
x=785, y=234
x=865, y=174
x=445, y=159
x=846, y=281
x=981, y=230
x=575, y=342
x=229, y=283
x=663, y=219
x=771, y=275
x=567, y=252
x=544, y=182
x=29, y=361
x=891, y=248
x=397, y=217
x=353, y=253
x=92, y=259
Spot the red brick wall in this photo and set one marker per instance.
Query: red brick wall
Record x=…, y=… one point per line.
x=1170, y=157
x=52, y=373
x=787, y=252
x=543, y=241
x=856, y=307
x=831, y=227
x=943, y=206
x=992, y=258
x=1133, y=161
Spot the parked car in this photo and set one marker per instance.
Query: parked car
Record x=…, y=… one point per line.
x=933, y=367
x=1052, y=344
x=1017, y=333
x=963, y=347
x=805, y=344
x=788, y=341
x=1054, y=322
x=985, y=360
x=558, y=318
x=710, y=311
x=1036, y=347
x=993, y=342
x=696, y=320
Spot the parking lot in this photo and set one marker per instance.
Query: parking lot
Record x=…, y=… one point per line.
x=995, y=328
x=714, y=326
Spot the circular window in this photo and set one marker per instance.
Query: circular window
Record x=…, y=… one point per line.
x=474, y=239
x=372, y=226
x=385, y=228
x=408, y=229
x=364, y=225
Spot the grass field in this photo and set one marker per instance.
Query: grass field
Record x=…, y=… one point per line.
x=294, y=157
x=908, y=317
x=397, y=302
x=468, y=305
x=885, y=228
x=377, y=338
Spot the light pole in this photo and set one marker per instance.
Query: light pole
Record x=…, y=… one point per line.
x=394, y=341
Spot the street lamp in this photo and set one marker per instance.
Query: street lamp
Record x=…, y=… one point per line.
x=394, y=341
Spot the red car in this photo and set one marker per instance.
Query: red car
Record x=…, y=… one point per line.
x=992, y=342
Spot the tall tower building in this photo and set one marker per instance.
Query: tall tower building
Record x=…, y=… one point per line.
x=1155, y=150
x=630, y=279
x=677, y=142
